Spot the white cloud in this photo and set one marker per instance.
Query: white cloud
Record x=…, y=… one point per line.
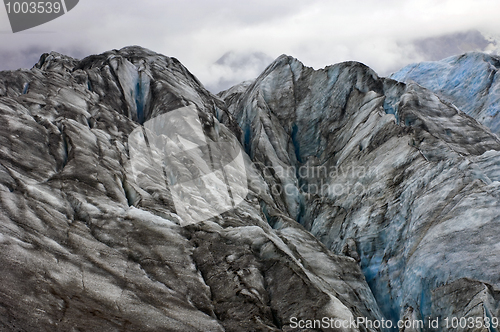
x=234, y=67
x=198, y=32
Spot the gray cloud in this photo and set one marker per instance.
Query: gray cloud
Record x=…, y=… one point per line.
x=26, y=57
x=437, y=48
x=20, y=58
x=384, y=34
x=235, y=67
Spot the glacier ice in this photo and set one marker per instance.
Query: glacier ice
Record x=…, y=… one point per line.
x=469, y=81
x=312, y=193
x=92, y=237
x=424, y=200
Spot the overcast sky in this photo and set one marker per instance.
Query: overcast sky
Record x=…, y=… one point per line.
x=226, y=41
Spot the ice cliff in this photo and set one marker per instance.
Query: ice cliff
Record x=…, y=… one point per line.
x=303, y=194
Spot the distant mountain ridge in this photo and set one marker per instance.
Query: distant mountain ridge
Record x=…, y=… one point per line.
x=470, y=81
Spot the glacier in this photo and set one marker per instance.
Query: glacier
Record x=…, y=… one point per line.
x=470, y=81
x=133, y=199
x=419, y=209
x=90, y=244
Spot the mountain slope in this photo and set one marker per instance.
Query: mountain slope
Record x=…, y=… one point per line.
x=91, y=231
x=470, y=81
x=132, y=199
x=383, y=172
